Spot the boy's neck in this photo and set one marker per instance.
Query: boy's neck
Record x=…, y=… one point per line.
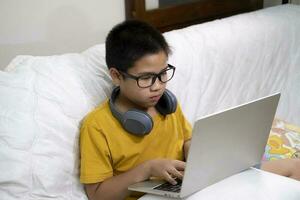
x=124, y=104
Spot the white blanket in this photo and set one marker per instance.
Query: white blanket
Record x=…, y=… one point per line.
x=219, y=64
x=234, y=60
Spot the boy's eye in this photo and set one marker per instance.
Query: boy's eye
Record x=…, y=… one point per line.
x=146, y=77
x=163, y=73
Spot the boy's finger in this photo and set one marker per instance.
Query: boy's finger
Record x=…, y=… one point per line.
x=169, y=178
x=176, y=174
x=179, y=165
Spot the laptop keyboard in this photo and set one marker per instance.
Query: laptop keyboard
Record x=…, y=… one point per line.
x=169, y=187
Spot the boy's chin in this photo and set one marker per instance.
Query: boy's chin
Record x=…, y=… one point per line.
x=147, y=105
x=151, y=104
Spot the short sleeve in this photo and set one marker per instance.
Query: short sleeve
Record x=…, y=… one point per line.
x=186, y=126
x=95, y=158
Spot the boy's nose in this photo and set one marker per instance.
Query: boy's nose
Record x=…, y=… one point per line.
x=157, y=84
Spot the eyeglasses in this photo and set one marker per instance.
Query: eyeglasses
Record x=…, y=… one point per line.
x=147, y=80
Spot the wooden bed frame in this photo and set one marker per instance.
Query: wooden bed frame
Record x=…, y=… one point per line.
x=182, y=15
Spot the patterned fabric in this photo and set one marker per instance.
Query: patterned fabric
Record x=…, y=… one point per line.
x=283, y=142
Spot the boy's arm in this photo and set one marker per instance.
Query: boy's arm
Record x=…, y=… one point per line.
x=186, y=148
x=115, y=187
x=284, y=167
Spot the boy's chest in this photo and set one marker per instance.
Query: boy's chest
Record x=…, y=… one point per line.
x=127, y=152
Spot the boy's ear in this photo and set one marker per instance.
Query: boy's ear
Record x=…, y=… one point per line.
x=115, y=76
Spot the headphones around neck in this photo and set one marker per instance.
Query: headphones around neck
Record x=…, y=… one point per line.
x=139, y=122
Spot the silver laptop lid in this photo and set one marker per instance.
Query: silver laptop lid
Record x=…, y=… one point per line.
x=228, y=142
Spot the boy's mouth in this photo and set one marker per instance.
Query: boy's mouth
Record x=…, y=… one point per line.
x=155, y=98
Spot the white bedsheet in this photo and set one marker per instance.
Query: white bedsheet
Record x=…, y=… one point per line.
x=234, y=60
x=219, y=65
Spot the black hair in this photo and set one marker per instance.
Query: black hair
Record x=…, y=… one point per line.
x=129, y=41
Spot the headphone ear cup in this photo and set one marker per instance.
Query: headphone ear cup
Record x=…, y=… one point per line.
x=137, y=122
x=167, y=103
x=133, y=121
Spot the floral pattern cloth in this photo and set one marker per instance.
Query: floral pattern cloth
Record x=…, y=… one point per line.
x=283, y=142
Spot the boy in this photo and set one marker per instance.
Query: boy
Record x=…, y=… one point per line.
x=115, y=153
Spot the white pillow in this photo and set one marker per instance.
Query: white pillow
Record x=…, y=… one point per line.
x=43, y=101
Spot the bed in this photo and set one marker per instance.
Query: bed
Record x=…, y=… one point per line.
x=167, y=15
x=219, y=64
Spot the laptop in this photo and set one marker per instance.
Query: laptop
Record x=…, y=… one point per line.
x=222, y=144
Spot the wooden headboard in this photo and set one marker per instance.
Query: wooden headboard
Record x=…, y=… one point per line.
x=185, y=14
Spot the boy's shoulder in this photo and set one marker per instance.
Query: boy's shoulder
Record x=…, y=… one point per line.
x=99, y=114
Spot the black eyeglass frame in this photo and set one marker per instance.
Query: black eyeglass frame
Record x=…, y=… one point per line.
x=155, y=76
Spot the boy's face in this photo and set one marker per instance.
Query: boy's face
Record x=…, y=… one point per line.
x=143, y=97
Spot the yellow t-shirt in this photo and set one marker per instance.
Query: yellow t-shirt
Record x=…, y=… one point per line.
x=108, y=150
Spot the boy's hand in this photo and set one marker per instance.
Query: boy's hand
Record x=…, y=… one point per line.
x=167, y=169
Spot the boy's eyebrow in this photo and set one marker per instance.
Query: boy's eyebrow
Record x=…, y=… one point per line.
x=151, y=73
x=146, y=73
